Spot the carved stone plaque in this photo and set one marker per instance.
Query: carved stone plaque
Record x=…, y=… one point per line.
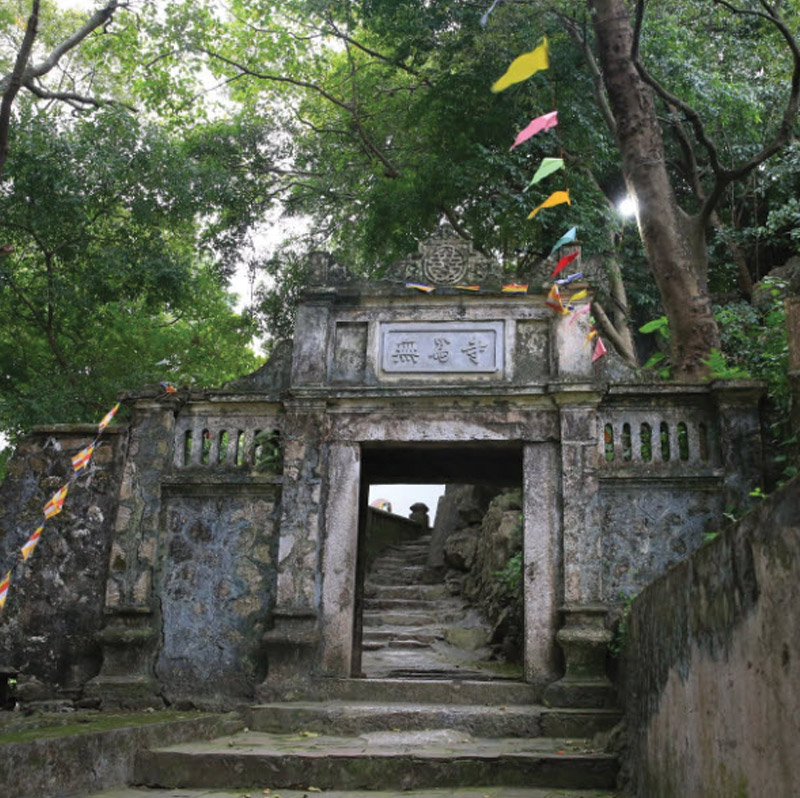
x=442, y=347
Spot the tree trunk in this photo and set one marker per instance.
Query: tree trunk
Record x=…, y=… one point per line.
x=674, y=242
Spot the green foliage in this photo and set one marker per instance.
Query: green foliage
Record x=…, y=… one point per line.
x=754, y=338
x=719, y=369
x=105, y=289
x=5, y=456
x=621, y=629
x=268, y=452
x=276, y=301
x=510, y=575
x=659, y=359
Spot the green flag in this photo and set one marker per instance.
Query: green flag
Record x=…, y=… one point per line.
x=546, y=167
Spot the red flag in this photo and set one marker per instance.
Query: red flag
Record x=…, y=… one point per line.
x=564, y=262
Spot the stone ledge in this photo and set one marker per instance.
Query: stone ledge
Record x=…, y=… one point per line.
x=78, y=761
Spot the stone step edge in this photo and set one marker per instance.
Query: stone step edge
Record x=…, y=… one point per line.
x=414, y=767
x=405, y=705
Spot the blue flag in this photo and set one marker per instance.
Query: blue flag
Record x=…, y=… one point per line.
x=567, y=238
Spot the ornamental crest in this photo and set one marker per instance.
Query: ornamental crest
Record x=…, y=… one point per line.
x=447, y=259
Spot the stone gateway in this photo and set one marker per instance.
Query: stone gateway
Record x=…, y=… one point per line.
x=227, y=559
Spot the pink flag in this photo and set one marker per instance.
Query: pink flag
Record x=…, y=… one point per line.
x=599, y=349
x=536, y=126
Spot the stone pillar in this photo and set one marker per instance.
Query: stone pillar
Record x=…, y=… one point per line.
x=584, y=640
x=419, y=514
x=130, y=637
x=583, y=637
x=582, y=539
x=339, y=558
x=292, y=644
x=741, y=448
x=542, y=583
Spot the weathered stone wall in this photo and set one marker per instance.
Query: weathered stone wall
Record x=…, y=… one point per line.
x=216, y=586
x=711, y=682
x=55, y=605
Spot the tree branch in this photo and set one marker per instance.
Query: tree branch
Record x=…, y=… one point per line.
x=618, y=341
x=78, y=101
x=99, y=18
x=303, y=84
x=391, y=169
x=15, y=80
x=723, y=176
x=580, y=42
x=789, y=112
x=375, y=54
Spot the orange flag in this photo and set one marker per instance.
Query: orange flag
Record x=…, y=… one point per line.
x=556, y=198
x=53, y=507
x=106, y=420
x=82, y=458
x=4, y=590
x=31, y=543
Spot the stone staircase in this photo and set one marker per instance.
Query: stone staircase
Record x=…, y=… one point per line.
x=412, y=626
x=398, y=734
x=462, y=733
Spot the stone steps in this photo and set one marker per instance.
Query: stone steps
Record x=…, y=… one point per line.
x=431, y=592
x=405, y=604
x=411, y=618
x=452, y=691
x=377, y=760
x=354, y=718
x=382, y=634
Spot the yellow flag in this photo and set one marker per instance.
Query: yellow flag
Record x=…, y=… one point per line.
x=579, y=295
x=523, y=67
x=556, y=198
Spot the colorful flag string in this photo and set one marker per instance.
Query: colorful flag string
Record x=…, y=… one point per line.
x=521, y=68
x=426, y=289
x=54, y=506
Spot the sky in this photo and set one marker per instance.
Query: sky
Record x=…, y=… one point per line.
x=403, y=496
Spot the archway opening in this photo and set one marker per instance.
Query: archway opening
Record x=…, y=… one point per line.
x=427, y=574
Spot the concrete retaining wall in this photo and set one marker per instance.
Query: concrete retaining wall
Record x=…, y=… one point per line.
x=711, y=681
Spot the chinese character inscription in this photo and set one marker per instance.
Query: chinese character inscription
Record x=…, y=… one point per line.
x=405, y=352
x=442, y=347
